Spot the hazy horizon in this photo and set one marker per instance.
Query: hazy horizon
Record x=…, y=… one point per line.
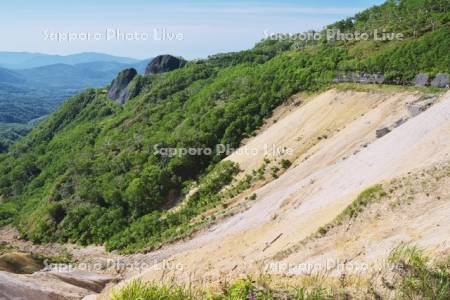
x=74, y=53
x=141, y=29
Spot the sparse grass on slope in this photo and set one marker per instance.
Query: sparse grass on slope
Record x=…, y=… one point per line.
x=416, y=277
x=241, y=289
x=365, y=198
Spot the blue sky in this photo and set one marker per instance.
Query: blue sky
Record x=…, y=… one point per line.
x=141, y=29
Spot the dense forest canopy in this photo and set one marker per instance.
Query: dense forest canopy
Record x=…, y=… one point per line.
x=89, y=173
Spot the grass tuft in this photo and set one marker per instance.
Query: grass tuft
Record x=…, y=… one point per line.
x=241, y=289
x=419, y=278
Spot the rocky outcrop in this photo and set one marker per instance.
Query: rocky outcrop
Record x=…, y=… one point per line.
x=19, y=263
x=118, y=90
x=417, y=107
x=164, y=63
x=360, y=78
x=382, y=132
x=52, y=285
x=421, y=79
x=90, y=281
x=440, y=80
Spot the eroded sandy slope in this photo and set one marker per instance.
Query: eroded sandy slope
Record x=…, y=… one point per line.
x=327, y=175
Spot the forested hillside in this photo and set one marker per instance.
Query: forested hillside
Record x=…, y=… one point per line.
x=90, y=174
x=32, y=93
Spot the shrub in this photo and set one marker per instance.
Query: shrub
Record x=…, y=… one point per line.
x=285, y=163
x=7, y=213
x=364, y=198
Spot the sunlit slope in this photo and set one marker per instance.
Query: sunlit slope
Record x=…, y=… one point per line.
x=323, y=181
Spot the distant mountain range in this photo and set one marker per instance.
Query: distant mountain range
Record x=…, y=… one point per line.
x=33, y=85
x=77, y=76
x=26, y=60
x=28, y=92
x=8, y=76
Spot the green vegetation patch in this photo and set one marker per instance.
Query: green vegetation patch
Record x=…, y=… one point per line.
x=241, y=289
x=364, y=199
x=417, y=276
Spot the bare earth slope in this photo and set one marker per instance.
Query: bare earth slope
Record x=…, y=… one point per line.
x=336, y=154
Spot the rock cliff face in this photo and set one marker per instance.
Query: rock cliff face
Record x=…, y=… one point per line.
x=164, y=63
x=119, y=87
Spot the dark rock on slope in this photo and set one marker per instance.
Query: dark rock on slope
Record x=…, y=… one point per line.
x=164, y=63
x=382, y=132
x=360, y=78
x=119, y=87
x=440, y=80
x=421, y=79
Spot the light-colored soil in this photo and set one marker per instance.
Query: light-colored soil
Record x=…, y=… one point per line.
x=336, y=154
x=414, y=210
x=327, y=175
